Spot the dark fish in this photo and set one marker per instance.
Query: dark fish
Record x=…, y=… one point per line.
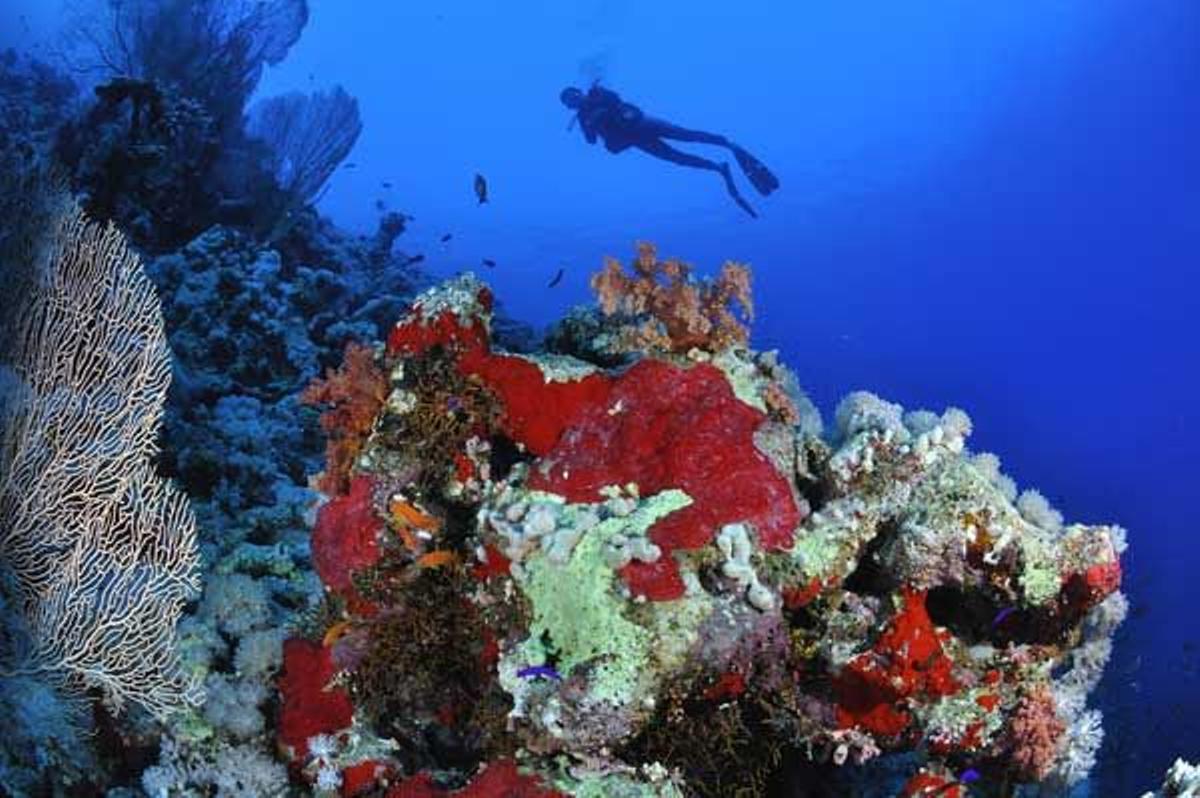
x=534, y=671
x=414, y=259
x=386, y=184
x=491, y=264
x=481, y=191
x=1000, y=616
x=350, y=165
x=446, y=237
x=380, y=205
x=557, y=278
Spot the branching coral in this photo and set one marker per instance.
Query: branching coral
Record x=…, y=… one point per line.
x=354, y=394
x=665, y=309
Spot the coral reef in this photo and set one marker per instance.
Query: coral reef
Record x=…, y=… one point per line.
x=652, y=572
x=1182, y=781
x=35, y=101
x=166, y=148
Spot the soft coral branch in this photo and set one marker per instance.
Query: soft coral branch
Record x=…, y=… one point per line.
x=354, y=395
x=667, y=310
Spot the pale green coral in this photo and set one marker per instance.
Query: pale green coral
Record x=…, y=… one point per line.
x=951, y=718
x=615, y=785
x=826, y=546
x=560, y=368
x=586, y=622
x=743, y=375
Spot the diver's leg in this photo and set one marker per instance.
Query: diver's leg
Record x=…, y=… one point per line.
x=662, y=129
x=660, y=149
x=755, y=170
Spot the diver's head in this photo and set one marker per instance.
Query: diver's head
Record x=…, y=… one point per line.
x=571, y=97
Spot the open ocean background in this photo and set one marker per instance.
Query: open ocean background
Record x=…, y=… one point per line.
x=991, y=205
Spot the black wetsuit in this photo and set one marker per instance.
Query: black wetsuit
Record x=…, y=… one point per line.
x=604, y=115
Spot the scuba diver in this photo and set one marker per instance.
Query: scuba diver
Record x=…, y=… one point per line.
x=602, y=113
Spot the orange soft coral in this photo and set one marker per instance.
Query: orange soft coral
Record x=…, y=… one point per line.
x=668, y=311
x=354, y=394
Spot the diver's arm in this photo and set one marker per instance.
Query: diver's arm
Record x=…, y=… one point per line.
x=587, y=123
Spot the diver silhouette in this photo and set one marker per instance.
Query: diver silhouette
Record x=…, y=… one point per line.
x=602, y=113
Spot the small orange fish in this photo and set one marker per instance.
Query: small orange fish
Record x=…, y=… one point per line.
x=440, y=558
x=409, y=513
x=408, y=538
x=333, y=633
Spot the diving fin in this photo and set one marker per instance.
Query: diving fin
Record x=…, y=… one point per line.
x=731, y=187
x=756, y=172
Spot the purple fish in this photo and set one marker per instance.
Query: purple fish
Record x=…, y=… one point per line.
x=969, y=776
x=535, y=671
x=1000, y=616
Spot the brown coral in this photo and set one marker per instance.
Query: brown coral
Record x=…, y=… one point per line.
x=354, y=394
x=666, y=310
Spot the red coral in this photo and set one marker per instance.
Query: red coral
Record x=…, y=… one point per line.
x=361, y=777
x=1103, y=579
x=494, y=564
x=354, y=393
x=309, y=705
x=801, y=596
x=414, y=335
x=731, y=685
x=663, y=427
x=1083, y=590
x=498, y=780
x=344, y=539
x=536, y=411
x=906, y=661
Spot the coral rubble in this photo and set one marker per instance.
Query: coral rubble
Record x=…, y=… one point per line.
x=651, y=572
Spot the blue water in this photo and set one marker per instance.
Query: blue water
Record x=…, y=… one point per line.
x=990, y=205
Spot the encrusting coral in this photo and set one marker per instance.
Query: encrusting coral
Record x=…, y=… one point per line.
x=551, y=577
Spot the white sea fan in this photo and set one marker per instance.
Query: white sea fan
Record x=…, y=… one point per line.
x=988, y=466
x=1036, y=509
x=1120, y=538
x=322, y=746
x=328, y=779
x=862, y=410
x=1082, y=741
x=1106, y=616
